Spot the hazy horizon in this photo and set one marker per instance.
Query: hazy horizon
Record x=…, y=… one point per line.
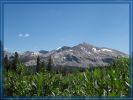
x=21, y=51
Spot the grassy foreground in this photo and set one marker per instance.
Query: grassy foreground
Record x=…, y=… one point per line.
x=112, y=80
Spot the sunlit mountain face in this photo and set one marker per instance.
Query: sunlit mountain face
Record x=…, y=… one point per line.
x=83, y=55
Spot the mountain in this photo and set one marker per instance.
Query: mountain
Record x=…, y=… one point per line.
x=80, y=56
x=43, y=51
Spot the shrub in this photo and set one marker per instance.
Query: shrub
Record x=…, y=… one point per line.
x=112, y=80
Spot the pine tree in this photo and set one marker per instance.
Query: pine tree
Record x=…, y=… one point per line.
x=6, y=63
x=15, y=61
x=49, y=67
x=42, y=67
x=38, y=64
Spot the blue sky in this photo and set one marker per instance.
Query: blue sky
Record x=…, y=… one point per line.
x=49, y=26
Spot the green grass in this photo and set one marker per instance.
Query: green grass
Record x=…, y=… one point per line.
x=112, y=80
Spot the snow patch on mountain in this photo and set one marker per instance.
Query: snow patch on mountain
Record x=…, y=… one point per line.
x=106, y=50
x=85, y=50
x=89, y=52
x=70, y=50
x=82, y=48
x=58, y=48
x=35, y=53
x=95, y=50
x=64, y=57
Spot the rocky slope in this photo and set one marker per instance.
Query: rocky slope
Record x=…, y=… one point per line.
x=82, y=55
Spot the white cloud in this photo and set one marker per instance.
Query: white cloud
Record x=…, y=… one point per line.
x=26, y=35
x=20, y=35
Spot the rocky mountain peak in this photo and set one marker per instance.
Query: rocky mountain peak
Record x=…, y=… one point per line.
x=43, y=51
x=84, y=44
x=81, y=55
x=63, y=48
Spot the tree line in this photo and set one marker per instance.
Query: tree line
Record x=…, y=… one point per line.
x=11, y=63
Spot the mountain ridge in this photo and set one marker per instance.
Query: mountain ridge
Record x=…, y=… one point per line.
x=81, y=55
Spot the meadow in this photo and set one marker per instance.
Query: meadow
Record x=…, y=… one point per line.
x=111, y=80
